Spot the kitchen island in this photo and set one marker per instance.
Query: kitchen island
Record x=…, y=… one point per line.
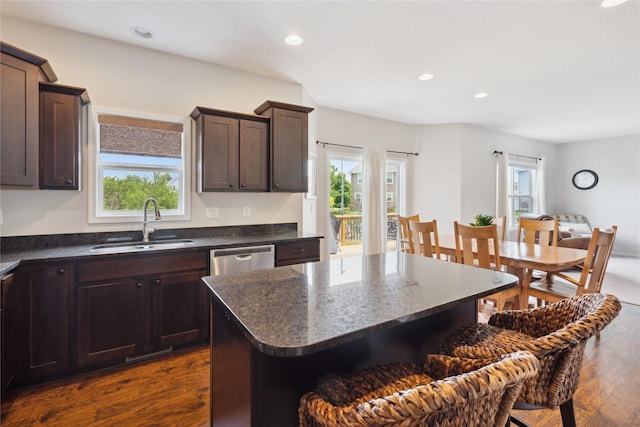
x=277, y=333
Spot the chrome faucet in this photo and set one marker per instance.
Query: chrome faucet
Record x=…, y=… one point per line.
x=145, y=225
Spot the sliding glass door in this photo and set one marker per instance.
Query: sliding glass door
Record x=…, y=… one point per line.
x=395, y=185
x=347, y=195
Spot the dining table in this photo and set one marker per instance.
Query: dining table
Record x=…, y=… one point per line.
x=521, y=259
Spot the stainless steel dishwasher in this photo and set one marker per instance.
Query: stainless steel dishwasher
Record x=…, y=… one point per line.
x=238, y=260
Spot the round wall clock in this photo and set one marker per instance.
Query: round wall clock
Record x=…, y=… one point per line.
x=585, y=179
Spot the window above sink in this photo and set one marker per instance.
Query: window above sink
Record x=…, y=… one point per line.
x=136, y=156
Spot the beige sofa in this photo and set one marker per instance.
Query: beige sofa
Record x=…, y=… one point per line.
x=575, y=230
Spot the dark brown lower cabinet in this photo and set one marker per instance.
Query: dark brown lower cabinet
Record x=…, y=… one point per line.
x=180, y=309
x=111, y=321
x=297, y=252
x=9, y=329
x=123, y=313
x=35, y=324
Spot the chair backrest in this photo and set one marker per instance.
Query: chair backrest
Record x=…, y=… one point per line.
x=544, y=232
x=501, y=223
x=477, y=245
x=405, y=236
x=559, y=332
x=424, y=238
x=477, y=393
x=595, y=264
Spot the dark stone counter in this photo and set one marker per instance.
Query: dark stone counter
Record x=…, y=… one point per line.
x=298, y=310
x=61, y=247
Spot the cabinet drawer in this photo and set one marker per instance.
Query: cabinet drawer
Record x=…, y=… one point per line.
x=141, y=265
x=297, y=252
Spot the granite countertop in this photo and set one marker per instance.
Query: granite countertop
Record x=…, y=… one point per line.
x=302, y=309
x=53, y=248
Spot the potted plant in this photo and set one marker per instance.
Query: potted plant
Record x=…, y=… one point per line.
x=482, y=220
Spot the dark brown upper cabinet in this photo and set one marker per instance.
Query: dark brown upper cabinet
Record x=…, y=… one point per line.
x=289, y=145
x=62, y=121
x=21, y=71
x=232, y=151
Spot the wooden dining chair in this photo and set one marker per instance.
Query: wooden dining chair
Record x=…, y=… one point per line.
x=543, y=232
x=479, y=246
x=424, y=238
x=501, y=223
x=592, y=274
x=405, y=236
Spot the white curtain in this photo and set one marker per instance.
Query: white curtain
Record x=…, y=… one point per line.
x=540, y=196
x=502, y=196
x=375, y=219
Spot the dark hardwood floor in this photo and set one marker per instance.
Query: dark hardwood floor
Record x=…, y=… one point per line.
x=174, y=390
x=170, y=391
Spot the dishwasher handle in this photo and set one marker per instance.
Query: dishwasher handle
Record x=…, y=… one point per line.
x=241, y=253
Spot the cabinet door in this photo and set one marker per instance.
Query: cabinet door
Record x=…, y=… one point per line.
x=219, y=153
x=46, y=306
x=111, y=322
x=19, y=123
x=254, y=155
x=11, y=329
x=180, y=309
x=59, y=140
x=289, y=150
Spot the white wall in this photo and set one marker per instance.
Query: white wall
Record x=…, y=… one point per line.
x=479, y=167
x=436, y=193
x=310, y=205
x=455, y=172
x=616, y=198
x=120, y=76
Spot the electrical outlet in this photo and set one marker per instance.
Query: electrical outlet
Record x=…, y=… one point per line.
x=213, y=212
x=1, y=219
x=246, y=211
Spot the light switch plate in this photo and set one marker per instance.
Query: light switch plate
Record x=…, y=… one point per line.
x=213, y=212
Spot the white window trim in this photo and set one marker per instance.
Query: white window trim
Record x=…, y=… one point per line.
x=526, y=164
x=402, y=164
x=94, y=193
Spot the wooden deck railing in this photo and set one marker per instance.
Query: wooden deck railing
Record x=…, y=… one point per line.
x=351, y=228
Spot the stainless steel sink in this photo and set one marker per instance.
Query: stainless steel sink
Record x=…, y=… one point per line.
x=141, y=246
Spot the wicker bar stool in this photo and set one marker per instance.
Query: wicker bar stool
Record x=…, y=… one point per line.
x=556, y=334
x=449, y=391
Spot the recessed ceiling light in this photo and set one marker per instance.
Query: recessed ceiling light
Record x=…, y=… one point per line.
x=480, y=95
x=426, y=76
x=141, y=32
x=293, y=40
x=611, y=3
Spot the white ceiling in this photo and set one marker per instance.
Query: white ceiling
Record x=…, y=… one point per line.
x=556, y=71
